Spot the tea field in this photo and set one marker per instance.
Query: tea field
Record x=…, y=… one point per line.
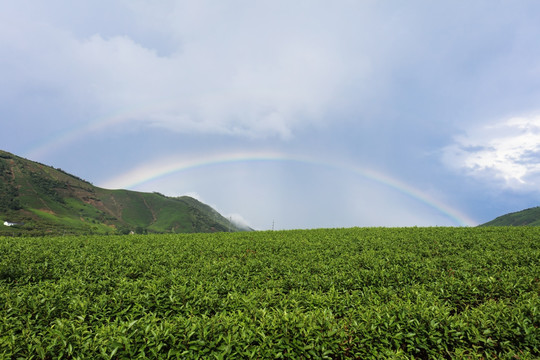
x=359, y=293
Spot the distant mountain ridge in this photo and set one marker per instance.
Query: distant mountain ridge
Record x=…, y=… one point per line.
x=39, y=199
x=527, y=217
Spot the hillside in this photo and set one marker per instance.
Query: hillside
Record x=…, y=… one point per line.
x=40, y=199
x=527, y=217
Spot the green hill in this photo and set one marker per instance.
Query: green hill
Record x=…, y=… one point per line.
x=38, y=199
x=527, y=217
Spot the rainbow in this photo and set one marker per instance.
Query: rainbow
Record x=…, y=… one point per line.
x=70, y=135
x=153, y=171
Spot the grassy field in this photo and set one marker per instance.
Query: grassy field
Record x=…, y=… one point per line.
x=360, y=293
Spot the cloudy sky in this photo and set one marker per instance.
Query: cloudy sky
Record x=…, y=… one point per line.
x=301, y=114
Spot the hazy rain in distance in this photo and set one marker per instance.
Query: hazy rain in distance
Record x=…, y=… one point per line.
x=307, y=114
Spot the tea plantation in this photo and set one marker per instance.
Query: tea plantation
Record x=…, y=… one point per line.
x=360, y=293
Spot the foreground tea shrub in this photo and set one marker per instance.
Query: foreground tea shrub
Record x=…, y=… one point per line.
x=426, y=293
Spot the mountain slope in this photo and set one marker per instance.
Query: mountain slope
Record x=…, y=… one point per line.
x=527, y=217
x=41, y=199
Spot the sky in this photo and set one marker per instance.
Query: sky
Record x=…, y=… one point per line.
x=281, y=114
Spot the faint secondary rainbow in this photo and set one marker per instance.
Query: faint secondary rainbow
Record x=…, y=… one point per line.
x=153, y=171
x=70, y=135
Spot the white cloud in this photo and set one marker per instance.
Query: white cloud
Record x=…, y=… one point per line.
x=239, y=221
x=246, y=68
x=239, y=74
x=507, y=152
x=235, y=218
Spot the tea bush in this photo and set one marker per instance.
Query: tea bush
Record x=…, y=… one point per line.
x=360, y=293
